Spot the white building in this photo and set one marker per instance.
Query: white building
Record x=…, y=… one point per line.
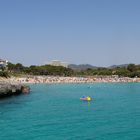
x=3, y=63
x=58, y=63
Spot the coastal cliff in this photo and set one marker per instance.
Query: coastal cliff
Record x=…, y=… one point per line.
x=9, y=88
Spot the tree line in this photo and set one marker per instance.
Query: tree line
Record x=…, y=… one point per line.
x=131, y=70
x=39, y=70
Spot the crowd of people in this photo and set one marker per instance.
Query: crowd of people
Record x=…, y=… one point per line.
x=59, y=79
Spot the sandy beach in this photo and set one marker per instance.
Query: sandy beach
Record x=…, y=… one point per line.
x=58, y=79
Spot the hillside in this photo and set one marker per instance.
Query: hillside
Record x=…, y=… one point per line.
x=81, y=67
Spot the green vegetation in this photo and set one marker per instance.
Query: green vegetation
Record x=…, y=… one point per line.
x=4, y=74
x=131, y=70
x=39, y=70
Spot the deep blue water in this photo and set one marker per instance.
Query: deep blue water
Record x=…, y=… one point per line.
x=54, y=112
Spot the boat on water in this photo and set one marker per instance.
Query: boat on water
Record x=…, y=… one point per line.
x=88, y=98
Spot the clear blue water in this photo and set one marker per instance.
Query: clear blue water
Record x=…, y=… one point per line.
x=54, y=112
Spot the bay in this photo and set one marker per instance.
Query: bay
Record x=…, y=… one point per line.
x=54, y=112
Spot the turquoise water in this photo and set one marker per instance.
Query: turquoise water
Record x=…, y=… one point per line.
x=54, y=112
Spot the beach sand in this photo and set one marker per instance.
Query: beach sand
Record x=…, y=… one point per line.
x=58, y=79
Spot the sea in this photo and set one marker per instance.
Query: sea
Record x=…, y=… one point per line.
x=55, y=112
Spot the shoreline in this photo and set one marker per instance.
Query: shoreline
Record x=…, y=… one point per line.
x=62, y=80
x=10, y=88
x=16, y=85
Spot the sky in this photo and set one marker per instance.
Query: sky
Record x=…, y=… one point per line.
x=97, y=32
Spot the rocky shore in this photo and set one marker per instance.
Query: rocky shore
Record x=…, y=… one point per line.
x=8, y=88
x=16, y=85
x=58, y=79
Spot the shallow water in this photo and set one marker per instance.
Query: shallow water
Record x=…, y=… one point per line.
x=54, y=112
